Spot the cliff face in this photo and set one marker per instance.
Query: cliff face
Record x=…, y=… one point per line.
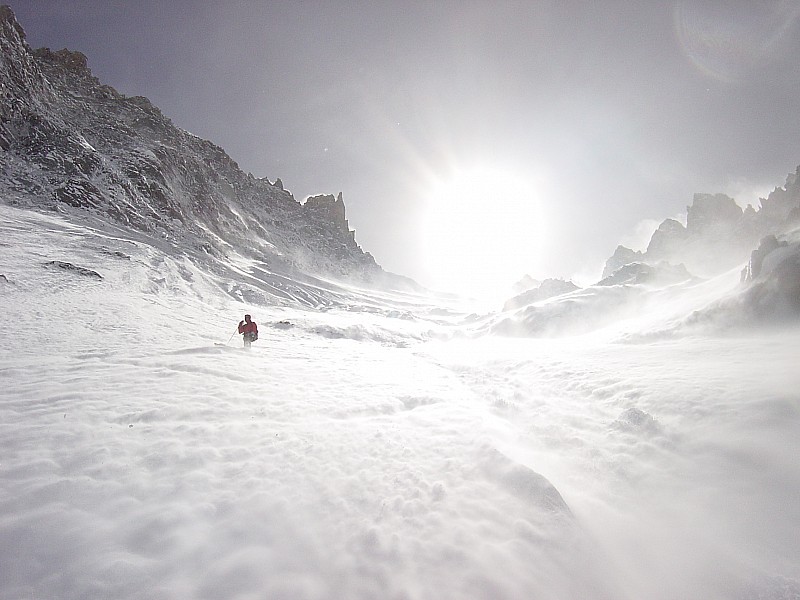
x=71, y=144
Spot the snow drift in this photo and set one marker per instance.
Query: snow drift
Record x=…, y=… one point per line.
x=353, y=453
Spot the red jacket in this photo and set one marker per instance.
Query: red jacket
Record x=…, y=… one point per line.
x=250, y=327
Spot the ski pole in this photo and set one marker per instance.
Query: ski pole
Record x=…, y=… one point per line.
x=233, y=334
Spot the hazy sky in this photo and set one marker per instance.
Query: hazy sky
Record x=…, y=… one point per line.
x=472, y=141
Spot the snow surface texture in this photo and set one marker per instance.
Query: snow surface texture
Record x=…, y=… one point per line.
x=382, y=447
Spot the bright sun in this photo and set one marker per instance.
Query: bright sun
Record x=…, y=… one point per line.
x=482, y=231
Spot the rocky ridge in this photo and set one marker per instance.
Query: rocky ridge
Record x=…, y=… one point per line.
x=673, y=282
x=74, y=145
x=718, y=234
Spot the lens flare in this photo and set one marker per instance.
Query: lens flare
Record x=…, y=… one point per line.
x=727, y=41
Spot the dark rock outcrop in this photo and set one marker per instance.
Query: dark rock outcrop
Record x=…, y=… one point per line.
x=67, y=266
x=329, y=209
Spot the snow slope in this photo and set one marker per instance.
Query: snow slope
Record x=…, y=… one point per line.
x=369, y=446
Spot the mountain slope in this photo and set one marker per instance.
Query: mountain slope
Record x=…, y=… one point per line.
x=77, y=146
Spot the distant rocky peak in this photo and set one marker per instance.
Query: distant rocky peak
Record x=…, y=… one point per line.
x=671, y=226
x=665, y=239
x=719, y=234
x=708, y=210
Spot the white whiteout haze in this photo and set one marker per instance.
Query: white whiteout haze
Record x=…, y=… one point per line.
x=384, y=447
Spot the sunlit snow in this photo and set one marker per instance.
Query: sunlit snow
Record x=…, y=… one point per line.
x=383, y=447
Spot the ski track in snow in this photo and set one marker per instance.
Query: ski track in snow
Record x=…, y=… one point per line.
x=348, y=457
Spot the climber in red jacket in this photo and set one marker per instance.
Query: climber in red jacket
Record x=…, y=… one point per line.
x=249, y=329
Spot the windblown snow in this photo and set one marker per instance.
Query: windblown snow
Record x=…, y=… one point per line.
x=373, y=446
